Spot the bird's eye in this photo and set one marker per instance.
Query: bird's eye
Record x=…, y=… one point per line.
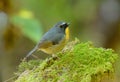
x=61, y=26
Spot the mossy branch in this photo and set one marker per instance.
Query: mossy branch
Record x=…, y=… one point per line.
x=78, y=62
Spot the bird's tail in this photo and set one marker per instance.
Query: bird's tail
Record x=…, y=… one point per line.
x=31, y=52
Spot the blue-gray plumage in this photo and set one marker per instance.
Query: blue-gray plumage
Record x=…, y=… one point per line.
x=55, y=34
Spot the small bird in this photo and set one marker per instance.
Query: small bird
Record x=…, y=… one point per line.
x=54, y=40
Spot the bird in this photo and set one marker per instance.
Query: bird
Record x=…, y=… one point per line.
x=54, y=40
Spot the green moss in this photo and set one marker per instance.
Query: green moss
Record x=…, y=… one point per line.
x=78, y=62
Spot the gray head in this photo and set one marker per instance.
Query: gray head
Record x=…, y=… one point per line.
x=62, y=25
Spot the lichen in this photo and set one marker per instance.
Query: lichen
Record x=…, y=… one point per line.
x=78, y=62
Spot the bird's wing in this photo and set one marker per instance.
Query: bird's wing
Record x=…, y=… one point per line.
x=45, y=44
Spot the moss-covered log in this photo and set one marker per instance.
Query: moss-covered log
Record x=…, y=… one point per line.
x=78, y=62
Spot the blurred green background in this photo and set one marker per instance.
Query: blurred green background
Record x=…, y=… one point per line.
x=23, y=22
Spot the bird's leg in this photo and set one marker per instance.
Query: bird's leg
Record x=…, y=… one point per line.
x=54, y=56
